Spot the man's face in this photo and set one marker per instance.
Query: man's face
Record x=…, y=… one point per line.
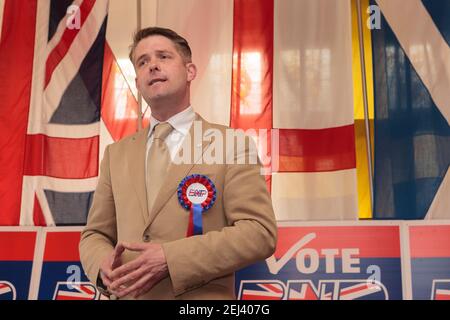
x=161, y=72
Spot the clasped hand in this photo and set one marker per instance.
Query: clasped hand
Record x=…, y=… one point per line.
x=137, y=276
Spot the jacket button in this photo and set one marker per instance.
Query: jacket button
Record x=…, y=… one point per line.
x=146, y=238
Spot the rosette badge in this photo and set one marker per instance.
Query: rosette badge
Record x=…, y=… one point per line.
x=196, y=193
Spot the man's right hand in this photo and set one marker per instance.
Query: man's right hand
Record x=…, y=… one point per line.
x=111, y=262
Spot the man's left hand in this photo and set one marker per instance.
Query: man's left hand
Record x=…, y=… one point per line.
x=141, y=274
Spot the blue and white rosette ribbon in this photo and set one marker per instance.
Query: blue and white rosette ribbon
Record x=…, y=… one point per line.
x=196, y=193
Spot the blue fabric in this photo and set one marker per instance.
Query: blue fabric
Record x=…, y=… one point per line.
x=412, y=138
x=197, y=219
x=69, y=208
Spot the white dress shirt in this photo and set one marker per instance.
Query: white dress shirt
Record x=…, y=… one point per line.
x=181, y=123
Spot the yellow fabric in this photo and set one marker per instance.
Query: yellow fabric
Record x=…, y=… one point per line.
x=158, y=161
x=364, y=203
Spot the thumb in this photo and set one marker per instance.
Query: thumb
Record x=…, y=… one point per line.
x=119, y=249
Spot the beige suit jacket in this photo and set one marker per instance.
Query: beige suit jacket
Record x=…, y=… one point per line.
x=239, y=229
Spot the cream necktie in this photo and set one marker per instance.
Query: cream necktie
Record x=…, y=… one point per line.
x=158, y=161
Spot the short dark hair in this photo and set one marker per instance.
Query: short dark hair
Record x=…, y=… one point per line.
x=180, y=43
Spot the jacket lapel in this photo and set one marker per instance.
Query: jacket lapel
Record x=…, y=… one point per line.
x=136, y=160
x=177, y=172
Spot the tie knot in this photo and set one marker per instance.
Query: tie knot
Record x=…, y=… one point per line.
x=162, y=130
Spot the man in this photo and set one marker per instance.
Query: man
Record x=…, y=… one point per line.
x=140, y=240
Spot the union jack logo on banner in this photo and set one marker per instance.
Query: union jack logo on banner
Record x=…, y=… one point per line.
x=75, y=291
x=270, y=290
x=62, y=144
x=335, y=290
x=7, y=291
x=306, y=290
x=441, y=290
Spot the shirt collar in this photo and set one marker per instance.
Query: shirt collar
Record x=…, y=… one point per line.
x=181, y=122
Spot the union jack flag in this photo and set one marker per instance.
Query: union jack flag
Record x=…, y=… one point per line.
x=64, y=77
x=65, y=86
x=306, y=290
x=271, y=290
x=75, y=291
x=63, y=126
x=7, y=291
x=338, y=290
